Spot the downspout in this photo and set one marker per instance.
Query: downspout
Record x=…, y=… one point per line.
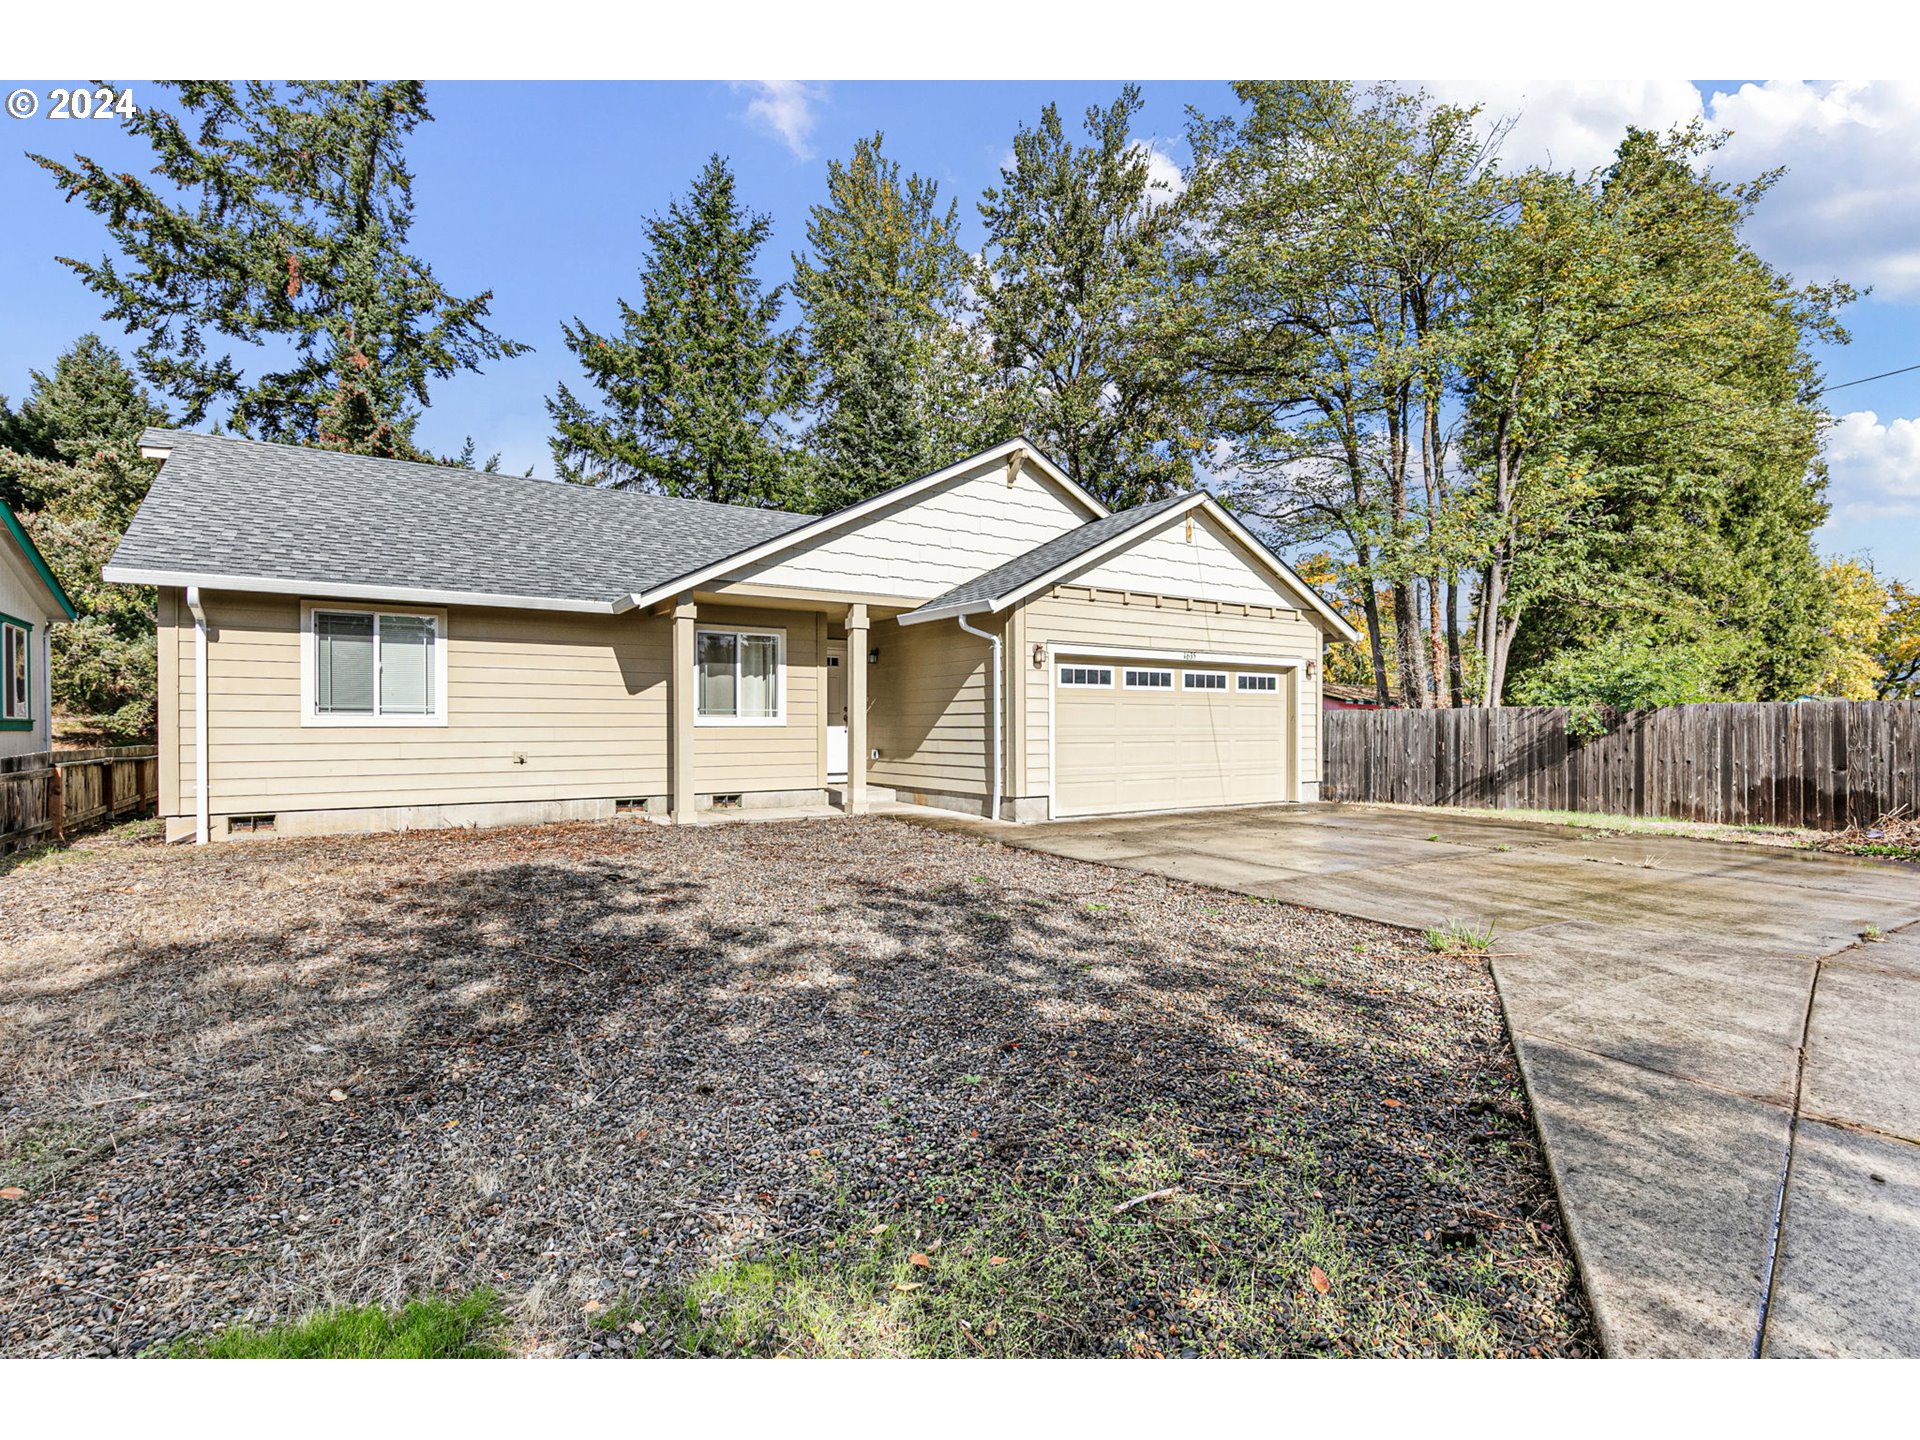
x=993, y=809
x=201, y=821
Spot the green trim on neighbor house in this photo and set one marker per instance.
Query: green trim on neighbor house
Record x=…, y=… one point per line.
x=37, y=561
x=29, y=722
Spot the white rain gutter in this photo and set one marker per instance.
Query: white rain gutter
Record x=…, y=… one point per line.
x=993, y=811
x=201, y=823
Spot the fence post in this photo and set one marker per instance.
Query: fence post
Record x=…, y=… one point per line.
x=57, y=804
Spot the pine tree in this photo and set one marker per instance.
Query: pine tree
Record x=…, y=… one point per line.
x=1077, y=239
x=899, y=381
x=70, y=463
x=292, y=231
x=698, y=382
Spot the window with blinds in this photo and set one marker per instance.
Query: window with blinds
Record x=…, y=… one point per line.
x=375, y=665
x=737, y=676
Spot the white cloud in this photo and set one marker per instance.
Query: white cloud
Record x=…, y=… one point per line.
x=1571, y=124
x=787, y=110
x=1161, y=167
x=1846, y=205
x=1874, y=466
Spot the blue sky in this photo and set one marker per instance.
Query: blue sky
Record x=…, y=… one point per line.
x=540, y=191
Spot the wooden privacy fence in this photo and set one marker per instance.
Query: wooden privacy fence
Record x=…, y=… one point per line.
x=49, y=795
x=1821, y=765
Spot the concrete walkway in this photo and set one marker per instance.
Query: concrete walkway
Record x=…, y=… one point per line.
x=1726, y=1075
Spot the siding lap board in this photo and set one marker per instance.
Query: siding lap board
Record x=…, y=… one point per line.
x=583, y=698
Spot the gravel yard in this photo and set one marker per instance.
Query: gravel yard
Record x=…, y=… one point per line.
x=810, y=1088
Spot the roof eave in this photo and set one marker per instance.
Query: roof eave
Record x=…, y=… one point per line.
x=348, y=590
x=38, y=563
x=951, y=612
x=826, y=524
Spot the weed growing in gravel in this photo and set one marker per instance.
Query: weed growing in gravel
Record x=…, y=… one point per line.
x=36, y=1156
x=1458, y=937
x=425, y=1330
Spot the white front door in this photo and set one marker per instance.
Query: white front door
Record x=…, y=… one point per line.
x=836, y=710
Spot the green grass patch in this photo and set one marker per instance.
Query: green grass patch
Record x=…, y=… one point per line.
x=1029, y=1263
x=37, y=1156
x=1886, y=849
x=435, y=1329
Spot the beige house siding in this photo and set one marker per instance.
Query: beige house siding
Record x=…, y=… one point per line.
x=1190, y=557
x=1084, y=618
x=933, y=541
x=172, y=718
x=928, y=704
x=741, y=758
x=24, y=598
x=540, y=706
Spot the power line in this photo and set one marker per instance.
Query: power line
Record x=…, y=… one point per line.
x=1881, y=376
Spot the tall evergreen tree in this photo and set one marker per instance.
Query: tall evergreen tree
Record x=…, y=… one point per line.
x=70, y=462
x=699, y=381
x=899, y=383
x=291, y=238
x=1077, y=258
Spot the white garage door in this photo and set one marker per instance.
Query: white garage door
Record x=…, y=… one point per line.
x=1138, y=735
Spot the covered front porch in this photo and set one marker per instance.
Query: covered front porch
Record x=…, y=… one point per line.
x=790, y=702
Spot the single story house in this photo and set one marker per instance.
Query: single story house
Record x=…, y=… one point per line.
x=354, y=644
x=31, y=604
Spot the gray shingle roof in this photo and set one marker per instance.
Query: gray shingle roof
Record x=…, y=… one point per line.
x=1044, y=559
x=280, y=512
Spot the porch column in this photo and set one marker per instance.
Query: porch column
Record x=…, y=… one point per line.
x=856, y=796
x=680, y=684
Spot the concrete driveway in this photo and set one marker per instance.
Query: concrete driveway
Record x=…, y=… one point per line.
x=1721, y=1044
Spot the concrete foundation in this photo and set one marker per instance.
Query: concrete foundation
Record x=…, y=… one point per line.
x=379, y=819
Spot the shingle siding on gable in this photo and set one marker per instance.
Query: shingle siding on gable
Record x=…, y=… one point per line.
x=1210, y=567
x=933, y=542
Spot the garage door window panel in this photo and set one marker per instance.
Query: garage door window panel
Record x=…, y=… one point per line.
x=1087, y=677
x=1205, y=680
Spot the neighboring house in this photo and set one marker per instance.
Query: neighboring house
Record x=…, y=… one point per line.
x=31, y=604
x=1335, y=696
x=357, y=644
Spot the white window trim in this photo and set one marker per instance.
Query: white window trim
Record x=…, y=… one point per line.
x=1240, y=686
x=24, y=646
x=1060, y=676
x=311, y=718
x=1126, y=682
x=779, y=716
x=1187, y=678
